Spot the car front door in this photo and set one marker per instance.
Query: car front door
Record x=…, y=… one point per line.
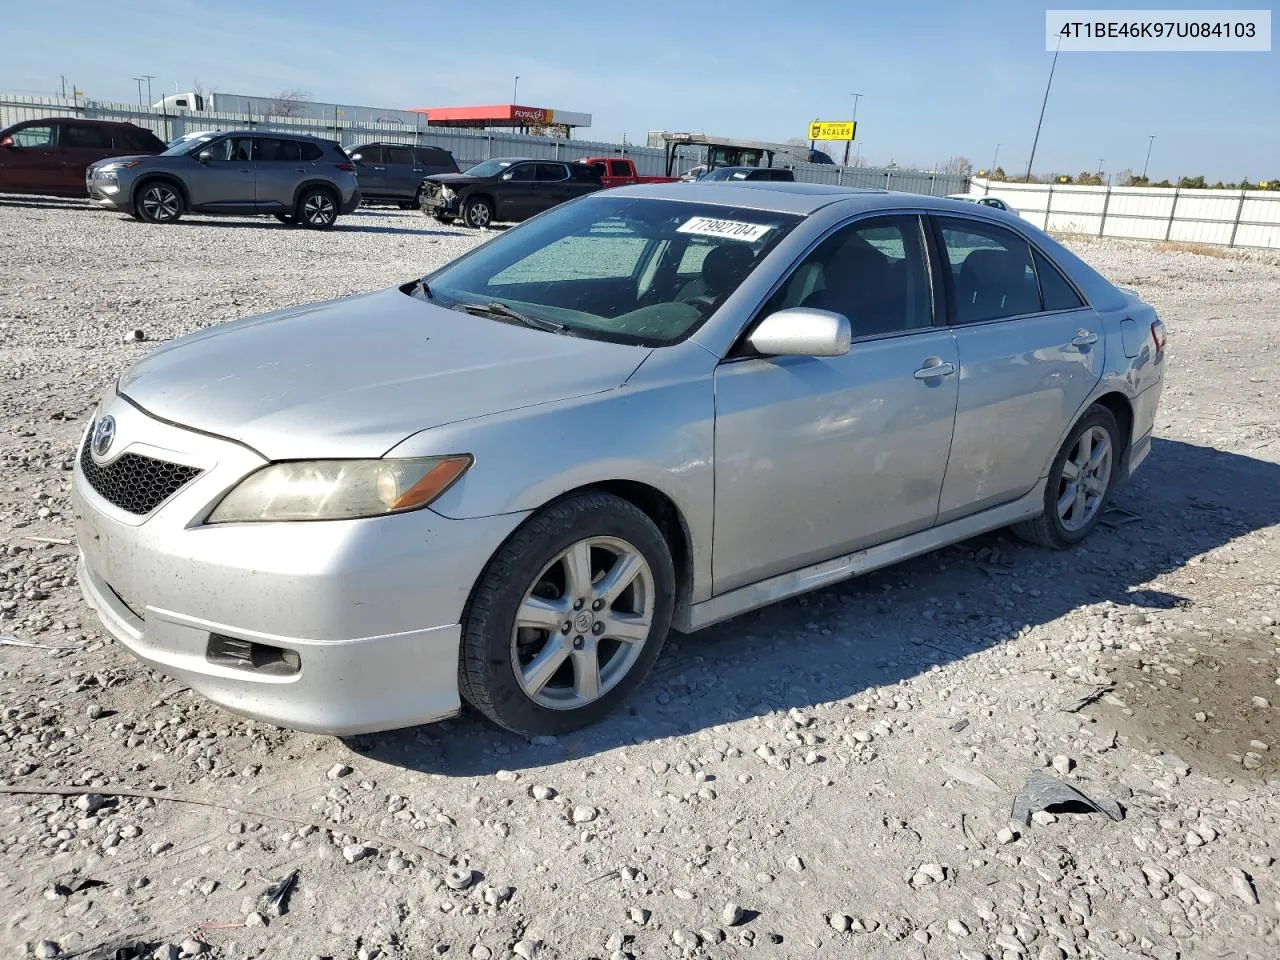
x=28, y=159
x=820, y=456
x=514, y=192
x=225, y=180
x=1031, y=351
x=278, y=169
x=371, y=172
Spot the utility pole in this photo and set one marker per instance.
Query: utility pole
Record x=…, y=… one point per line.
x=1150, y=140
x=992, y=171
x=849, y=143
x=148, y=77
x=138, y=81
x=63, y=78
x=1099, y=169
x=1043, y=104
x=515, y=91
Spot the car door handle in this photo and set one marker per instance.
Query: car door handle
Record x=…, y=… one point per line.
x=1084, y=338
x=931, y=370
x=379, y=168
x=299, y=169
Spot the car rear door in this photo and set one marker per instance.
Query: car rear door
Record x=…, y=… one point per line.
x=1031, y=352
x=80, y=144
x=403, y=174
x=278, y=169
x=820, y=456
x=28, y=159
x=515, y=192
x=370, y=171
x=554, y=186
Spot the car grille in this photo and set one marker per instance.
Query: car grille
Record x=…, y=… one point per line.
x=133, y=482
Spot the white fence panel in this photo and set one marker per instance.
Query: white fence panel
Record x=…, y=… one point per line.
x=1248, y=218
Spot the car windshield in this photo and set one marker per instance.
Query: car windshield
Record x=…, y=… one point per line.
x=625, y=269
x=185, y=145
x=488, y=169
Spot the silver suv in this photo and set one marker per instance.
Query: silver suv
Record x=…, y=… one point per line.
x=296, y=179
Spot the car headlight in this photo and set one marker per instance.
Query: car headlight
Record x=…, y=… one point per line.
x=339, y=489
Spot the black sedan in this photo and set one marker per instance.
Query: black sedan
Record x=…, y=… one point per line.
x=505, y=188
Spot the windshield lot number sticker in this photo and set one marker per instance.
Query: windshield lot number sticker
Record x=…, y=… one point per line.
x=725, y=229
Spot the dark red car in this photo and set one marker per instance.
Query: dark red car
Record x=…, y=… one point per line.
x=49, y=156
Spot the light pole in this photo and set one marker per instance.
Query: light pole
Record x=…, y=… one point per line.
x=1099, y=169
x=148, y=77
x=138, y=81
x=849, y=143
x=1150, y=140
x=515, y=91
x=992, y=170
x=1043, y=104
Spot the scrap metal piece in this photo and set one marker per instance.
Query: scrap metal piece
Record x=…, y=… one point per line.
x=275, y=899
x=1073, y=706
x=1043, y=792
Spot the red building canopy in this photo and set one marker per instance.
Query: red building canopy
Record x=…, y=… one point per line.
x=502, y=115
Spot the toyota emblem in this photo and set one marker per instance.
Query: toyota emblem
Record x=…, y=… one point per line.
x=104, y=433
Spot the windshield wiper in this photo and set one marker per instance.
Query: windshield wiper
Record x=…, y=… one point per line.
x=497, y=309
x=421, y=290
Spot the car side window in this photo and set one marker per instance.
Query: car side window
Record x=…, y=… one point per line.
x=619, y=168
x=523, y=172
x=433, y=157
x=1055, y=292
x=310, y=151
x=34, y=138
x=85, y=137
x=400, y=155
x=370, y=154
x=875, y=272
x=279, y=151
x=234, y=149
x=552, y=172
x=991, y=270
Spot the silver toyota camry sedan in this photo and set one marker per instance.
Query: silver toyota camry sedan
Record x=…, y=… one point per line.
x=652, y=408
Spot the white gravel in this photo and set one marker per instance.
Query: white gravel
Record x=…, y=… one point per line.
x=814, y=780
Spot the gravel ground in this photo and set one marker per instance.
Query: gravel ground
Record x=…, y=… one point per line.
x=830, y=777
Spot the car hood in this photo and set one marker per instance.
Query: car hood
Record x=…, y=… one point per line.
x=453, y=179
x=134, y=157
x=355, y=377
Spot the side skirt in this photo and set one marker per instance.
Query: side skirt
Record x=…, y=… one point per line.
x=755, y=595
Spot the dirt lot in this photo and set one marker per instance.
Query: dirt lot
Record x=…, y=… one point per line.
x=831, y=777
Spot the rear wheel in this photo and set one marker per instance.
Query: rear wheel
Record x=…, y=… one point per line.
x=159, y=202
x=1080, y=482
x=568, y=617
x=316, y=209
x=477, y=212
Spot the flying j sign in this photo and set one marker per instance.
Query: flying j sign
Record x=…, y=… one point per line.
x=832, y=129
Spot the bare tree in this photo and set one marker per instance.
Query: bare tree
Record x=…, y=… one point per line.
x=958, y=167
x=798, y=142
x=288, y=103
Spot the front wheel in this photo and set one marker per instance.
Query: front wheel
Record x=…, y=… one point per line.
x=1080, y=482
x=159, y=202
x=568, y=617
x=316, y=210
x=477, y=212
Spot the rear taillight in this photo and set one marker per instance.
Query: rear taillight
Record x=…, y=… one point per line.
x=1157, y=336
x=349, y=167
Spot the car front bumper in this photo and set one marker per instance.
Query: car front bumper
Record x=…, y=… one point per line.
x=109, y=194
x=369, y=610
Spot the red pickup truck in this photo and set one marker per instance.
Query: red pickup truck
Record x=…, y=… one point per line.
x=620, y=172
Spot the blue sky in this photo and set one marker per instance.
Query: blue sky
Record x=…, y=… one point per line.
x=938, y=79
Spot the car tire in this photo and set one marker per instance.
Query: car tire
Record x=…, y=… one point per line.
x=477, y=212
x=288, y=218
x=317, y=208
x=159, y=201
x=407, y=204
x=1080, y=482
x=444, y=219
x=524, y=664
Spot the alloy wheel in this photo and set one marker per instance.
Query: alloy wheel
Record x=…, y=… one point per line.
x=319, y=209
x=583, y=623
x=479, y=215
x=1086, y=473
x=160, y=203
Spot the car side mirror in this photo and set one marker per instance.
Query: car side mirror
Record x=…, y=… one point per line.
x=204, y=156
x=357, y=157
x=506, y=176
x=802, y=332
x=6, y=142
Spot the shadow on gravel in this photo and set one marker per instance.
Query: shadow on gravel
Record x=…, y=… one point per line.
x=892, y=624
x=46, y=203
x=339, y=227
